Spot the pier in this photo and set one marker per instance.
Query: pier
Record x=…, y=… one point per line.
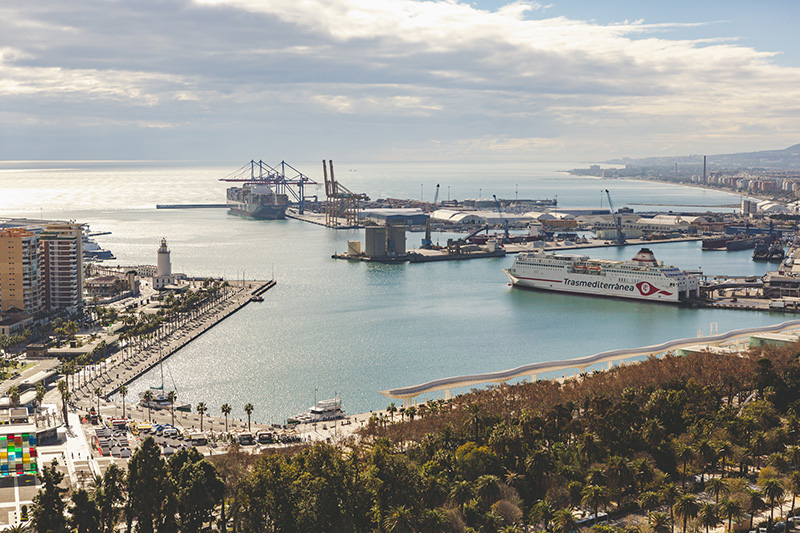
x=191, y=206
x=119, y=369
x=731, y=342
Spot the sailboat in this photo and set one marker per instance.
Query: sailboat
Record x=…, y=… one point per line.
x=160, y=398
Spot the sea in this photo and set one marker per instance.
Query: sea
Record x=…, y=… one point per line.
x=354, y=329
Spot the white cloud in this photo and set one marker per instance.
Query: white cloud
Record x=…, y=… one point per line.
x=477, y=81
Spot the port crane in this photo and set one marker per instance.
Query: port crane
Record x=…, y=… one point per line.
x=341, y=201
x=263, y=174
x=506, y=236
x=454, y=245
x=427, y=243
x=617, y=220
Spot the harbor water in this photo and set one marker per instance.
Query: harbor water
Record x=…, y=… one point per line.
x=357, y=328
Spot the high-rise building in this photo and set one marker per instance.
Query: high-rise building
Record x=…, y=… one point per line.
x=62, y=266
x=20, y=274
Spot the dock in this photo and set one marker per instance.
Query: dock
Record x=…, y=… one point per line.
x=318, y=219
x=121, y=369
x=191, y=206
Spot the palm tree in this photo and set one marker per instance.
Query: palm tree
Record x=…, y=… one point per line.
x=685, y=508
x=99, y=393
x=753, y=503
x=730, y=510
x=123, y=391
x=171, y=397
x=649, y=499
x=670, y=493
x=40, y=392
x=461, y=493
x=564, y=521
x=594, y=496
x=226, y=410
x=659, y=522
x=793, y=484
x=685, y=454
x=487, y=488
x=13, y=395
x=707, y=516
x=392, y=409
x=715, y=486
x=148, y=398
x=724, y=452
x=248, y=408
x=774, y=492
x=400, y=519
x=62, y=389
x=474, y=410
x=201, y=410
x=542, y=512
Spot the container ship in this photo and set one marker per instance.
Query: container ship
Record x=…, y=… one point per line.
x=641, y=278
x=258, y=201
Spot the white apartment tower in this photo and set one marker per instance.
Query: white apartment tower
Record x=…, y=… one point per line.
x=62, y=266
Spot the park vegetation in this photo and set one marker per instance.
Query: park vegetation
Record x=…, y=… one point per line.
x=674, y=444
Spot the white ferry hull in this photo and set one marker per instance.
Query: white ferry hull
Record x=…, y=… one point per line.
x=590, y=285
x=641, y=278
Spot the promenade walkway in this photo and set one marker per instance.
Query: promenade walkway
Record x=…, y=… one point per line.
x=733, y=341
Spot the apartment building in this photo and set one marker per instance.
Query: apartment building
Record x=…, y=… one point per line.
x=20, y=270
x=62, y=266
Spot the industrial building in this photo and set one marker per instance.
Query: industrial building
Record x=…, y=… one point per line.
x=395, y=217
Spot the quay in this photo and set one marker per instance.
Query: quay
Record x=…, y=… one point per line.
x=731, y=342
x=190, y=206
x=121, y=369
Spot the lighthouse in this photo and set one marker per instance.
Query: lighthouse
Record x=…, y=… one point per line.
x=164, y=267
x=164, y=274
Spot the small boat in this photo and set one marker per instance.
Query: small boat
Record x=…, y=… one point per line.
x=322, y=411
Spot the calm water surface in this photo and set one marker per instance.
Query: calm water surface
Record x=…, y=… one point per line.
x=358, y=328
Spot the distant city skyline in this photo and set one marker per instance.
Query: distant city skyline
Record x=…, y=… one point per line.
x=395, y=80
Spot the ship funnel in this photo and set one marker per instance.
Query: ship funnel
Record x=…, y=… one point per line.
x=645, y=257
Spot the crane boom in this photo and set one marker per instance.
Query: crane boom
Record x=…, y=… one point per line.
x=436, y=196
x=617, y=220
x=507, y=237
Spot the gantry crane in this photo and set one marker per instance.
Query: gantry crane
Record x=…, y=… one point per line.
x=263, y=174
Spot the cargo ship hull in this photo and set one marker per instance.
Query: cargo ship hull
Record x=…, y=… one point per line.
x=258, y=212
x=257, y=201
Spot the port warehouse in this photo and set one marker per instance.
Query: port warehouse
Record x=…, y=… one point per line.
x=633, y=225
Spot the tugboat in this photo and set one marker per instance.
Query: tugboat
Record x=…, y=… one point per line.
x=772, y=253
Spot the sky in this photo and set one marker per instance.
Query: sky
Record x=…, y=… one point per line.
x=396, y=80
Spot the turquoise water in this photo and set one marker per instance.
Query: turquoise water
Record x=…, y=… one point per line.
x=358, y=328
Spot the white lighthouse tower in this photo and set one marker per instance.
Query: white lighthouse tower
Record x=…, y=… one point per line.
x=163, y=275
x=164, y=267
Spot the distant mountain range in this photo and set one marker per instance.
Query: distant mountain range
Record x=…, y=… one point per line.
x=786, y=159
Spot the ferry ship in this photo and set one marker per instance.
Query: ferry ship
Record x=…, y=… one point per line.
x=257, y=200
x=641, y=278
